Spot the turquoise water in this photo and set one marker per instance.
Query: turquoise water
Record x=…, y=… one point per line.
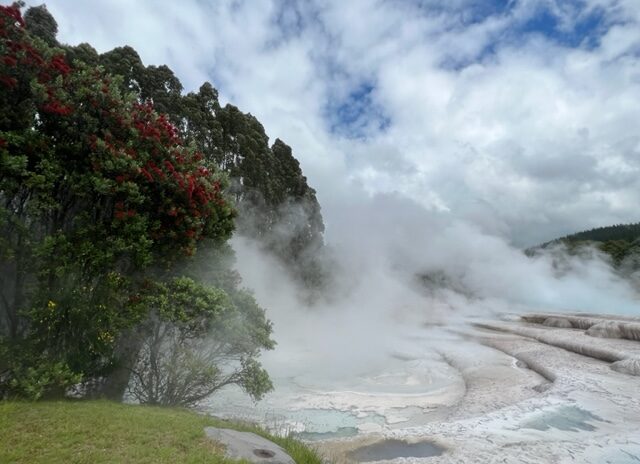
x=565, y=418
x=342, y=432
x=329, y=421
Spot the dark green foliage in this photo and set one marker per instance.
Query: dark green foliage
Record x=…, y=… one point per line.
x=41, y=24
x=96, y=187
x=626, y=232
x=32, y=375
x=620, y=242
x=275, y=203
x=84, y=53
x=162, y=87
x=305, y=226
x=199, y=340
x=124, y=62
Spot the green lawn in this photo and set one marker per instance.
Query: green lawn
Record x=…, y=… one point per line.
x=91, y=432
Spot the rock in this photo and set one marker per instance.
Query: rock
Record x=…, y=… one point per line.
x=629, y=366
x=542, y=387
x=249, y=446
x=558, y=322
x=606, y=329
x=631, y=330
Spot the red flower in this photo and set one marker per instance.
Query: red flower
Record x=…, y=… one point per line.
x=146, y=174
x=13, y=12
x=151, y=165
x=169, y=166
x=59, y=64
x=34, y=57
x=9, y=81
x=56, y=107
x=9, y=60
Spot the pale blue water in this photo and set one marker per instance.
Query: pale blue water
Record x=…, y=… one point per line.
x=621, y=456
x=565, y=418
x=342, y=432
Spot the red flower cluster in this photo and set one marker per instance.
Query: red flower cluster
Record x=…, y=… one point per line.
x=59, y=64
x=56, y=107
x=10, y=60
x=11, y=13
x=153, y=126
x=19, y=54
x=180, y=197
x=120, y=213
x=9, y=81
x=169, y=130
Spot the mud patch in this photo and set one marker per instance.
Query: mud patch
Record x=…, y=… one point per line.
x=392, y=449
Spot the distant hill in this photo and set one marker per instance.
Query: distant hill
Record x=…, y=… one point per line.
x=621, y=242
x=626, y=232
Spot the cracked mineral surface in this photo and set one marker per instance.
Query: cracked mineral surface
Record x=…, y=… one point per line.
x=536, y=388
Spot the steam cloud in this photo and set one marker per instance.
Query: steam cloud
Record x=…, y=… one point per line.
x=397, y=266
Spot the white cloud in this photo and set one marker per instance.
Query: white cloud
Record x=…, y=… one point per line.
x=518, y=134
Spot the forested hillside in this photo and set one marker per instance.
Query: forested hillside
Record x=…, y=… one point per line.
x=620, y=242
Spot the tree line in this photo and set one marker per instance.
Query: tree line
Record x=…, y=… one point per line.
x=118, y=195
x=620, y=242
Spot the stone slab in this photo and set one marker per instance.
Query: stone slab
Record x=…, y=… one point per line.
x=249, y=446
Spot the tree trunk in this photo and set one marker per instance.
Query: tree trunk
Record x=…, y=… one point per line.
x=116, y=382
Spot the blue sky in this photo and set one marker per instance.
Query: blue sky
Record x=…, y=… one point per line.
x=517, y=117
x=358, y=110
x=584, y=31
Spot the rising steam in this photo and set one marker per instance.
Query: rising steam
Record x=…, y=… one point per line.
x=396, y=266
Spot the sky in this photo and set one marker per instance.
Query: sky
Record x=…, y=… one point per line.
x=517, y=117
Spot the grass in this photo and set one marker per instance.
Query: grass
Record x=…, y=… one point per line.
x=57, y=432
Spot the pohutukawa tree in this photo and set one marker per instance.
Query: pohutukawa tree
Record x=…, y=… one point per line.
x=100, y=200
x=276, y=206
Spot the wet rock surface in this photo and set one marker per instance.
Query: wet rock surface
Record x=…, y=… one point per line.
x=627, y=366
x=249, y=446
x=607, y=329
x=619, y=326
x=559, y=322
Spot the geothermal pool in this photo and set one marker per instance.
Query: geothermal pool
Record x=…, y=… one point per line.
x=402, y=389
x=509, y=390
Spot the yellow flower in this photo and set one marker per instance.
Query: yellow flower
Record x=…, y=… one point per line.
x=51, y=305
x=106, y=337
